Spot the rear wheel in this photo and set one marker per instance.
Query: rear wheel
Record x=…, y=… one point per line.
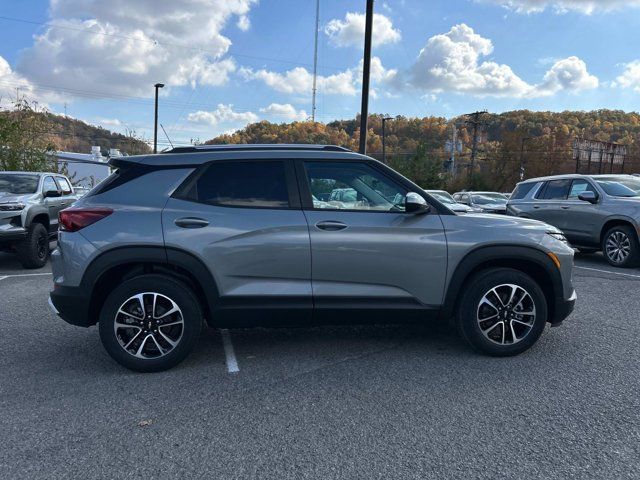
x=33, y=250
x=150, y=323
x=620, y=246
x=502, y=312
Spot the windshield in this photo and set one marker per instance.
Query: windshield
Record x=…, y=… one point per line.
x=18, y=184
x=443, y=198
x=488, y=198
x=620, y=186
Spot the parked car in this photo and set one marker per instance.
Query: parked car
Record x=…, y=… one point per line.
x=486, y=202
x=230, y=234
x=447, y=199
x=29, y=206
x=595, y=212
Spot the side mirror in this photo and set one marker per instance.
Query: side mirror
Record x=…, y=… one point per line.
x=52, y=194
x=414, y=203
x=588, y=196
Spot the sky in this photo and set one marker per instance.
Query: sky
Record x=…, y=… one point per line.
x=226, y=63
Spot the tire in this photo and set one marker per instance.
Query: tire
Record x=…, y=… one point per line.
x=620, y=247
x=156, y=347
x=527, y=327
x=33, y=250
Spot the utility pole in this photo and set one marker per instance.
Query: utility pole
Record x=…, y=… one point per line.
x=366, y=73
x=475, y=120
x=454, y=146
x=384, y=138
x=155, y=122
x=315, y=63
x=524, y=139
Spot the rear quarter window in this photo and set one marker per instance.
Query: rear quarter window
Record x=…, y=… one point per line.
x=522, y=190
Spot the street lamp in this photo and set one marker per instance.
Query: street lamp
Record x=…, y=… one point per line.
x=524, y=139
x=155, y=123
x=384, y=138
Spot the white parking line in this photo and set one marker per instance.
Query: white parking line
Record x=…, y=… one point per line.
x=609, y=271
x=232, y=363
x=24, y=275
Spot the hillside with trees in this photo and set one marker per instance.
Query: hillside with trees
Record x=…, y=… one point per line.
x=416, y=146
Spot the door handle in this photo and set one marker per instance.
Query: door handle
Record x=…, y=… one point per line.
x=536, y=207
x=190, y=222
x=565, y=207
x=331, y=225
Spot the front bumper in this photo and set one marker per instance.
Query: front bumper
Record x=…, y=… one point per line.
x=11, y=233
x=71, y=304
x=563, y=308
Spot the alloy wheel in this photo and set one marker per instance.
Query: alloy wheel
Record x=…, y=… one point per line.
x=618, y=246
x=42, y=246
x=506, y=314
x=149, y=325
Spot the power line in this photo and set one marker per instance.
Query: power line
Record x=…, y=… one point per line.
x=315, y=63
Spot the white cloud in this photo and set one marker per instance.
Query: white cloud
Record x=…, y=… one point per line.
x=224, y=114
x=630, y=77
x=243, y=23
x=300, y=81
x=568, y=74
x=350, y=31
x=14, y=86
x=285, y=112
x=124, y=47
x=452, y=62
x=562, y=6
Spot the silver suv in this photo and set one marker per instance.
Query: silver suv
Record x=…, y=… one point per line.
x=29, y=206
x=230, y=236
x=595, y=212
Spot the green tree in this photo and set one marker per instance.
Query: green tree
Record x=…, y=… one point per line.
x=24, y=140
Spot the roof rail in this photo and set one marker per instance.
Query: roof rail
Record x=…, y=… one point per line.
x=250, y=147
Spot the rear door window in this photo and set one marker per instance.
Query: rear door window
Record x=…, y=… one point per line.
x=64, y=186
x=555, y=190
x=242, y=184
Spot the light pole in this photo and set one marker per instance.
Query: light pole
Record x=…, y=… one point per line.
x=155, y=122
x=384, y=138
x=524, y=139
x=366, y=73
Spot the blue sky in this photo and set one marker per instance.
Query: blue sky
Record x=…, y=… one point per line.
x=230, y=62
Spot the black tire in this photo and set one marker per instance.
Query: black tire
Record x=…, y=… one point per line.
x=177, y=292
x=618, y=232
x=469, y=310
x=33, y=250
x=587, y=251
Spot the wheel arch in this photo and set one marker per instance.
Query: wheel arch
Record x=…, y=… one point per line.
x=38, y=215
x=121, y=264
x=529, y=260
x=617, y=221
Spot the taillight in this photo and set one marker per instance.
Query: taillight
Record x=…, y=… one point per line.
x=74, y=219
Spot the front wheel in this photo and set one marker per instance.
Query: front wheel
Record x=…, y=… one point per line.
x=150, y=323
x=502, y=312
x=33, y=250
x=620, y=247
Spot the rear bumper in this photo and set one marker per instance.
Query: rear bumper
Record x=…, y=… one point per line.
x=563, y=309
x=72, y=305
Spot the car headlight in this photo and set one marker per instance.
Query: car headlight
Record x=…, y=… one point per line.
x=559, y=236
x=11, y=207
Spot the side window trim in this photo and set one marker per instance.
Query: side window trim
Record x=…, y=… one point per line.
x=182, y=191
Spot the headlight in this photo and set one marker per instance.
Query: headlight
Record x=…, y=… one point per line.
x=559, y=236
x=11, y=207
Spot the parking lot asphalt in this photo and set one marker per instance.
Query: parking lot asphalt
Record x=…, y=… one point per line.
x=332, y=402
